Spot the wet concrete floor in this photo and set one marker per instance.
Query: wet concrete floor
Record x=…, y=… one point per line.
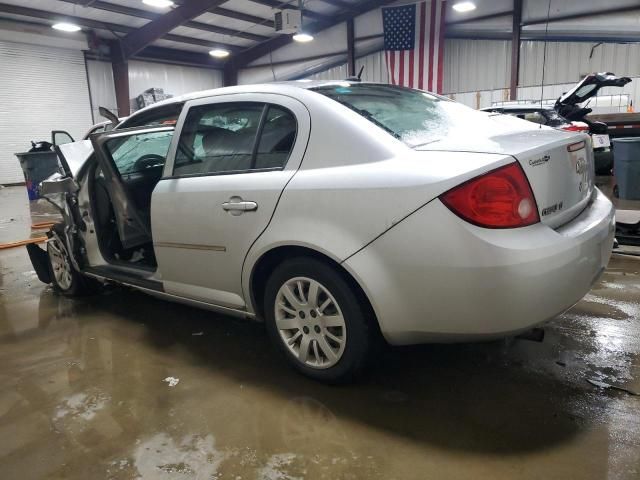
x=124, y=386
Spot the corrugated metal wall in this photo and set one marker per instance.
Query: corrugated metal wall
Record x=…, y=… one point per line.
x=471, y=65
x=334, y=73
x=103, y=91
x=43, y=89
x=375, y=69
x=174, y=79
x=571, y=61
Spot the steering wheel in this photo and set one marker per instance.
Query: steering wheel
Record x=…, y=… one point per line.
x=149, y=160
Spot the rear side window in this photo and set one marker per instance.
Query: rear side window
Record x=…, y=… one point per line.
x=277, y=138
x=233, y=138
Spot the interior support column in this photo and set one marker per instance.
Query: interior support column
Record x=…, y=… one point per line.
x=351, y=48
x=120, y=69
x=515, y=49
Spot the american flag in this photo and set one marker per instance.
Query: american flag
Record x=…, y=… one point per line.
x=413, y=43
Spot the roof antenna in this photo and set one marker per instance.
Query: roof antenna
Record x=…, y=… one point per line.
x=358, y=77
x=544, y=55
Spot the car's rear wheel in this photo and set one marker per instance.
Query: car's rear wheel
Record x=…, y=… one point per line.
x=64, y=277
x=317, y=320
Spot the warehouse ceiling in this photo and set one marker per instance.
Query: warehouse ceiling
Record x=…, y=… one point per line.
x=234, y=25
x=186, y=32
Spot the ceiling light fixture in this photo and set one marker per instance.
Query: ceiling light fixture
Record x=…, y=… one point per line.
x=302, y=37
x=158, y=3
x=66, y=27
x=464, y=6
x=219, y=53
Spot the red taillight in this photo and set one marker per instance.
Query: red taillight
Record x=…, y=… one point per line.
x=576, y=127
x=501, y=198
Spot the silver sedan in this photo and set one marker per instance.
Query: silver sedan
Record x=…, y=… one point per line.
x=339, y=213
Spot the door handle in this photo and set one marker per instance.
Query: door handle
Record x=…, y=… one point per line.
x=239, y=206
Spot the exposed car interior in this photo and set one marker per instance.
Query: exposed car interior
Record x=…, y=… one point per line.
x=139, y=160
x=232, y=137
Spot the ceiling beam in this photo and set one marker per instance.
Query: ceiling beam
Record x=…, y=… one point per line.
x=162, y=55
x=340, y=4
x=576, y=16
x=139, y=13
x=480, y=18
x=245, y=17
x=99, y=25
x=179, y=57
x=279, y=5
x=161, y=26
x=252, y=53
x=225, y=12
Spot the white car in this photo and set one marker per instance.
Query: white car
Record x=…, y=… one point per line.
x=338, y=213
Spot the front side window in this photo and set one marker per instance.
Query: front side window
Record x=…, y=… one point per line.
x=139, y=152
x=234, y=137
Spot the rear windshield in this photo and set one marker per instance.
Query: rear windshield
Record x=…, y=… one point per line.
x=554, y=119
x=412, y=116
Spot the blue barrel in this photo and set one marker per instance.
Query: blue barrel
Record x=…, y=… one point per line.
x=626, y=167
x=36, y=167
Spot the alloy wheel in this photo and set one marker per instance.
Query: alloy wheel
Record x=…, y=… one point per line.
x=60, y=265
x=310, y=322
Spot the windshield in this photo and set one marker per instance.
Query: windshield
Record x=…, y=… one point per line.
x=412, y=116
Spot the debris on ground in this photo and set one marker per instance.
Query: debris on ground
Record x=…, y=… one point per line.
x=172, y=381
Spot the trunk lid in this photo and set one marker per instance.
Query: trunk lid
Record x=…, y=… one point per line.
x=589, y=86
x=562, y=180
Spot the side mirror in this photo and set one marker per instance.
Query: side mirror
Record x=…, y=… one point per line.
x=57, y=184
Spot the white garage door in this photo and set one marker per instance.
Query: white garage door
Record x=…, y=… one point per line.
x=41, y=89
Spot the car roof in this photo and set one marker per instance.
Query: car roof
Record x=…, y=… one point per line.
x=287, y=88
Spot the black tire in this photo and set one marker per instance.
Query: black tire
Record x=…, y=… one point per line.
x=360, y=331
x=76, y=284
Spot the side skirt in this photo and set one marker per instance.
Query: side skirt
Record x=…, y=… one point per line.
x=156, y=289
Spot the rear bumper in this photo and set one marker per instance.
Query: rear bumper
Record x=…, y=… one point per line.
x=436, y=278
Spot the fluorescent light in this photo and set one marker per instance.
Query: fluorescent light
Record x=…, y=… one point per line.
x=66, y=27
x=302, y=37
x=219, y=53
x=464, y=6
x=158, y=3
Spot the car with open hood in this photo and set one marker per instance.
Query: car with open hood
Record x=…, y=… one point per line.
x=339, y=213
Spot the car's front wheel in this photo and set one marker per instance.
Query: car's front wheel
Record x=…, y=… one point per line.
x=64, y=277
x=317, y=320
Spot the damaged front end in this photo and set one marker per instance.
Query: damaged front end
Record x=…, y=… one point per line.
x=61, y=191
